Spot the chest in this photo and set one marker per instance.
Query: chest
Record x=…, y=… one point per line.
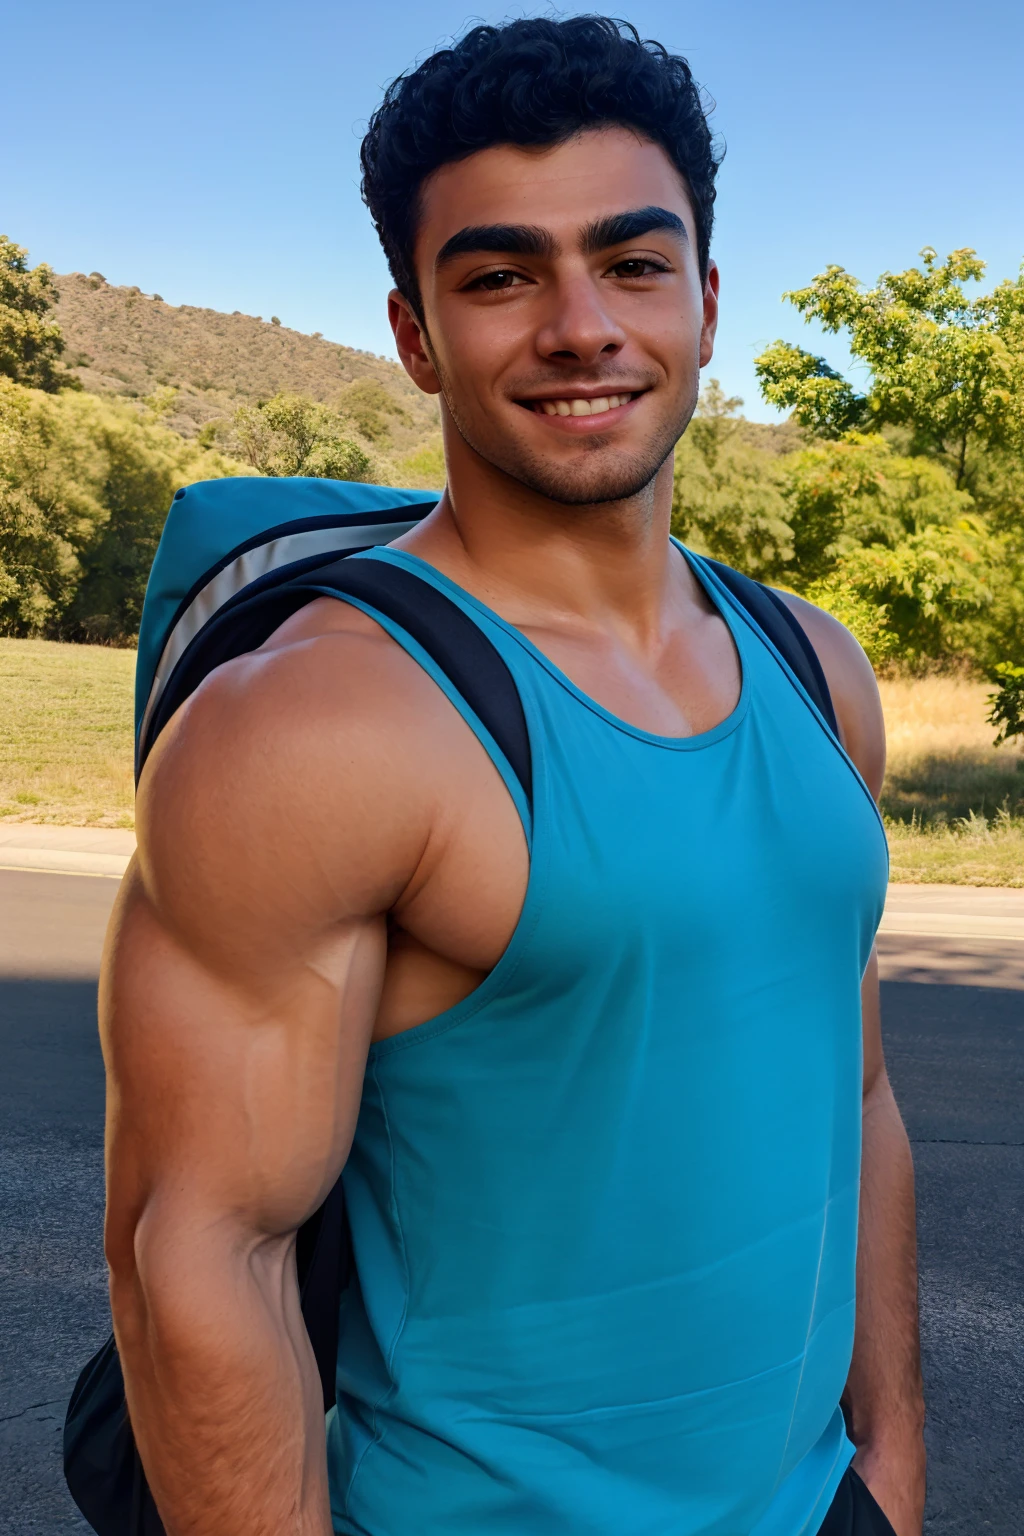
x=763, y=833
x=762, y=839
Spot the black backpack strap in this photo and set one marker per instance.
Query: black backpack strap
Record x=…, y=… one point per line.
x=784, y=630
x=461, y=650
x=470, y=661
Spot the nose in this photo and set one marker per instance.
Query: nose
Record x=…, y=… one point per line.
x=578, y=327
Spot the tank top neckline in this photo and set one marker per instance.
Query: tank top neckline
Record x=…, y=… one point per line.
x=693, y=743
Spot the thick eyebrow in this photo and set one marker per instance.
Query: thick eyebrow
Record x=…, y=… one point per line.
x=618, y=228
x=503, y=239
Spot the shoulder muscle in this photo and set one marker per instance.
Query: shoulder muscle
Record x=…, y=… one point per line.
x=283, y=795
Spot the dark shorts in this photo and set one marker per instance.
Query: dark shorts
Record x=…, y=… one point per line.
x=853, y=1511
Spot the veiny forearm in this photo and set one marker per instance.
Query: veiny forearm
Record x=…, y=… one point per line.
x=222, y=1388
x=884, y=1395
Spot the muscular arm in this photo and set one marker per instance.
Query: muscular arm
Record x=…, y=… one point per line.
x=240, y=986
x=883, y=1393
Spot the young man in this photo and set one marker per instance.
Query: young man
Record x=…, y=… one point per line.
x=593, y=1068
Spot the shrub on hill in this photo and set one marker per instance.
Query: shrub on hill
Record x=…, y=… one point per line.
x=290, y=435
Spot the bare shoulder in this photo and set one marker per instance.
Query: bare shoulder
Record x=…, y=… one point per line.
x=299, y=784
x=853, y=687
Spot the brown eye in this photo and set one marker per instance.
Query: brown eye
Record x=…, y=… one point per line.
x=495, y=282
x=637, y=266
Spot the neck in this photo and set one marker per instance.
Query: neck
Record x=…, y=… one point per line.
x=538, y=561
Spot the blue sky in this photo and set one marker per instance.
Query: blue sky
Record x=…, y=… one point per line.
x=208, y=151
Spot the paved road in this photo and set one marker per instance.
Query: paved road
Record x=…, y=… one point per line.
x=52, y=1281
x=956, y=1053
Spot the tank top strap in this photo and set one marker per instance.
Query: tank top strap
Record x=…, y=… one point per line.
x=422, y=657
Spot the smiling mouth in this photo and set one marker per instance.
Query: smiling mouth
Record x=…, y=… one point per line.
x=579, y=406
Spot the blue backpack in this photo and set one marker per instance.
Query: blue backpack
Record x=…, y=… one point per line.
x=236, y=559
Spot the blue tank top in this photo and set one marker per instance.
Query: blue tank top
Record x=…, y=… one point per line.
x=604, y=1210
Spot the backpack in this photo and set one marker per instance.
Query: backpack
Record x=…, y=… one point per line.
x=237, y=557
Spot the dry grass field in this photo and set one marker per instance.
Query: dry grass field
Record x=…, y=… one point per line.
x=942, y=764
x=954, y=804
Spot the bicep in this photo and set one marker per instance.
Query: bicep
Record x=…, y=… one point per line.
x=246, y=959
x=232, y=1097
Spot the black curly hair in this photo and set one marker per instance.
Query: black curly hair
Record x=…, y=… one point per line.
x=532, y=81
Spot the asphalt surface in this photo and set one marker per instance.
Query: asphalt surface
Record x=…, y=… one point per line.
x=956, y=1057
x=53, y=1296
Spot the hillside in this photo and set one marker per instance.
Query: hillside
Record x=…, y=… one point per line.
x=121, y=341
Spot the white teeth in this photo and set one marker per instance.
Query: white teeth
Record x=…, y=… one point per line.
x=583, y=407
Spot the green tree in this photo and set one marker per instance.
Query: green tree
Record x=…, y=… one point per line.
x=31, y=343
x=715, y=421
x=85, y=484
x=946, y=367
x=843, y=495
x=892, y=531
x=291, y=435
x=727, y=495
x=820, y=398
x=41, y=519
x=1006, y=705
x=932, y=586
x=142, y=463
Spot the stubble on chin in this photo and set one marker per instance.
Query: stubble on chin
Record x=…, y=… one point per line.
x=612, y=477
x=596, y=478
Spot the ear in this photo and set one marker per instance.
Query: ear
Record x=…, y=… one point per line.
x=411, y=342
x=710, y=324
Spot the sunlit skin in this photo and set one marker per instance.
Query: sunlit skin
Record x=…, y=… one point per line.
x=308, y=881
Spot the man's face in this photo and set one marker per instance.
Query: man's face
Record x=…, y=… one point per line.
x=565, y=319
